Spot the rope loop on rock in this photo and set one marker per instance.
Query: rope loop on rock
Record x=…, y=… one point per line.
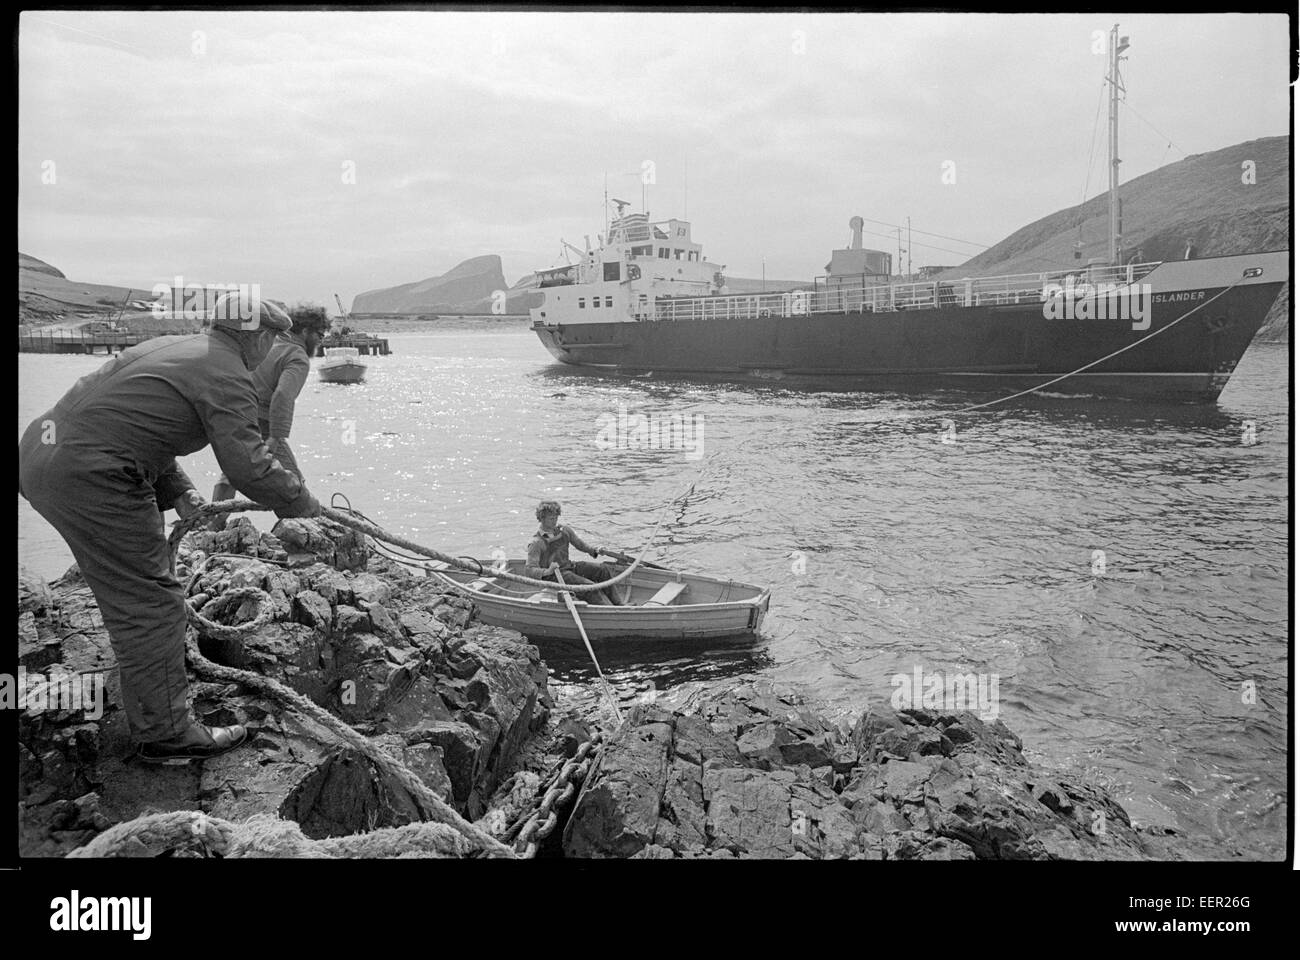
x=264, y=835
x=204, y=619
x=431, y=806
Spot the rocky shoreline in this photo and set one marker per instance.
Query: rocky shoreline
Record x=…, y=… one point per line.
x=746, y=770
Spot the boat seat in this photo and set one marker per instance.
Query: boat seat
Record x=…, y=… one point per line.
x=666, y=595
x=483, y=583
x=543, y=595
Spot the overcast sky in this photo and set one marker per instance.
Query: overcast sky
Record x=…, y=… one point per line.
x=218, y=145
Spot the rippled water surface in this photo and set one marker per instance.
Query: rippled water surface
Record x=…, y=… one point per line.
x=886, y=548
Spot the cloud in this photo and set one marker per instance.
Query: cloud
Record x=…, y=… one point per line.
x=223, y=141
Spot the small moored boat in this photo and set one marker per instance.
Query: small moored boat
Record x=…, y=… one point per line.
x=342, y=365
x=662, y=605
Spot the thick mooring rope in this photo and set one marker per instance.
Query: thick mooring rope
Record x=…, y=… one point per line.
x=431, y=806
x=370, y=529
x=264, y=835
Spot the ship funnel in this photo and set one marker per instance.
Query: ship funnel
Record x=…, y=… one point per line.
x=856, y=226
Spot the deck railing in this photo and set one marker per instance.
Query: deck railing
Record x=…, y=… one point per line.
x=861, y=296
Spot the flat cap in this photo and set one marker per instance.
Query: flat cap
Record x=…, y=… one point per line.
x=240, y=310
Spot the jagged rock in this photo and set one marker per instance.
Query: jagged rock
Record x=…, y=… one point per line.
x=570, y=734
x=618, y=814
x=899, y=734
x=238, y=536
x=454, y=612
x=653, y=852
x=747, y=772
x=348, y=619
x=734, y=779
x=33, y=652
x=347, y=794
x=328, y=582
x=34, y=594
x=748, y=810
x=462, y=753
x=319, y=540
x=371, y=589
x=383, y=622
x=313, y=610
x=771, y=743
x=421, y=626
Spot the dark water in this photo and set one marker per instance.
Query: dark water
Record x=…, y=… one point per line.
x=887, y=549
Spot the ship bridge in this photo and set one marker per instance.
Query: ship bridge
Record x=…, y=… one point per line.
x=660, y=240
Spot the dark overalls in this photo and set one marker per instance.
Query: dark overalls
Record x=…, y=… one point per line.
x=101, y=468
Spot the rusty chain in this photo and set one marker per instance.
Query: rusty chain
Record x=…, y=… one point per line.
x=529, y=831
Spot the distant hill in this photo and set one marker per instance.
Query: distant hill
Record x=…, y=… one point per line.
x=1201, y=198
x=469, y=289
x=45, y=295
x=40, y=266
x=457, y=291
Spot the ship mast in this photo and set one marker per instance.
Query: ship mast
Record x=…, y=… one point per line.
x=1118, y=45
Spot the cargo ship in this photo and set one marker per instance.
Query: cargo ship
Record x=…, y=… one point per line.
x=645, y=300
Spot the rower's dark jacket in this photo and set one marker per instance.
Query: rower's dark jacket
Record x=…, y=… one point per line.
x=544, y=550
x=167, y=398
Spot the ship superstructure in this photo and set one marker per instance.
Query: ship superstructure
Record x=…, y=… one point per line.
x=646, y=300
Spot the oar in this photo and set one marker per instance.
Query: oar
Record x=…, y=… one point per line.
x=628, y=559
x=568, y=599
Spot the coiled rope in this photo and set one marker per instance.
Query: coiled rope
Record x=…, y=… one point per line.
x=221, y=835
x=430, y=805
x=264, y=835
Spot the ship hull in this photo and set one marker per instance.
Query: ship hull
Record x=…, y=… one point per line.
x=1010, y=347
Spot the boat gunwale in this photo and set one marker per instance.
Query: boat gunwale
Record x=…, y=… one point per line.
x=762, y=595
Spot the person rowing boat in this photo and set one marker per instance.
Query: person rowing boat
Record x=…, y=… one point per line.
x=548, y=553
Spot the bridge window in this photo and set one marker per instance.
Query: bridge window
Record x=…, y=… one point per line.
x=677, y=254
x=612, y=271
x=663, y=253
x=693, y=255
x=646, y=251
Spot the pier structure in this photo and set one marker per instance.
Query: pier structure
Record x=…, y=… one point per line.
x=78, y=341
x=366, y=345
x=109, y=343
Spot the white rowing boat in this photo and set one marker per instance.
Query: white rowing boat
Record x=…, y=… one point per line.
x=662, y=605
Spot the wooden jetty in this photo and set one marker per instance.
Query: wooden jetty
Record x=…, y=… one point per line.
x=365, y=345
x=78, y=341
